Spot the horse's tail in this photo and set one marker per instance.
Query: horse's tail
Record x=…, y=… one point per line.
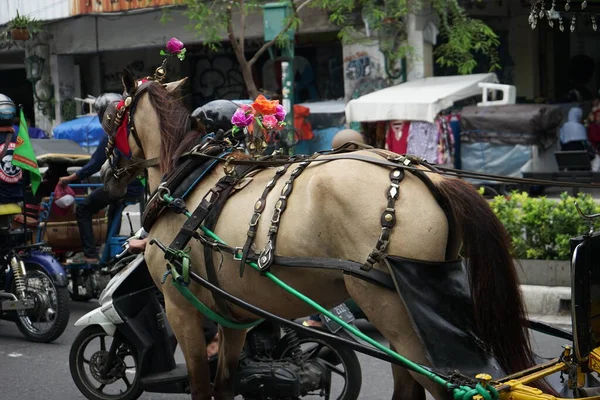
x=499, y=309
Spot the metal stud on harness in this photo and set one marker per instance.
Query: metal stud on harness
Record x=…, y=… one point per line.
x=388, y=220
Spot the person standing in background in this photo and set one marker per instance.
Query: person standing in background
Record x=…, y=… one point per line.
x=573, y=135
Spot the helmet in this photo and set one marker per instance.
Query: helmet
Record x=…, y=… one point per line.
x=8, y=111
x=216, y=115
x=103, y=101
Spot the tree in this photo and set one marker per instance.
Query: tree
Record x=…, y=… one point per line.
x=463, y=36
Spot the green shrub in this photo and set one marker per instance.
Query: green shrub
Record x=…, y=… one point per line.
x=541, y=228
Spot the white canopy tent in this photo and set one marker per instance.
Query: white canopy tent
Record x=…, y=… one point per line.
x=418, y=100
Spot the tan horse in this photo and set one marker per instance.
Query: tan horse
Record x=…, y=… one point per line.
x=334, y=211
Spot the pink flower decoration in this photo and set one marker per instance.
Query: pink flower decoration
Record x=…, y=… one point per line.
x=242, y=118
x=280, y=113
x=174, y=46
x=247, y=108
x=270, y=122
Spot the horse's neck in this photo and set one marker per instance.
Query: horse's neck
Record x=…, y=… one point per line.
x=154, y=178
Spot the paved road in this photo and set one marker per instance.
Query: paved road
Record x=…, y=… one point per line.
x=41, y=371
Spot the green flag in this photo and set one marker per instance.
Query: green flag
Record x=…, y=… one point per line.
x=24, y=155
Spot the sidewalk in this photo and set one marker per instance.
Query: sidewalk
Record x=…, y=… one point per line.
x=548, y=304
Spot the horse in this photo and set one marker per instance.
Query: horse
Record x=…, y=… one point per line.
x=333, y=212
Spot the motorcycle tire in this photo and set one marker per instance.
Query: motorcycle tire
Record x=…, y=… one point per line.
x=343, y=354
x=76, y=365
x=61, y=319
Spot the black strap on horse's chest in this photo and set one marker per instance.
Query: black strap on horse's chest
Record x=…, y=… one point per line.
x=180, y=181
x=207, y=213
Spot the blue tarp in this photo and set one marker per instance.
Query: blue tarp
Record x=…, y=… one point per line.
x=497, y=159
x=85, y=131
x=321, y=141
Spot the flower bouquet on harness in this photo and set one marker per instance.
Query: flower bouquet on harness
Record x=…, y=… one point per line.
x=259, y=121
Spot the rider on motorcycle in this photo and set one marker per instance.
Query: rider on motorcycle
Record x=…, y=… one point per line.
x=11, y=190
x=99, y=198
x=11, y=185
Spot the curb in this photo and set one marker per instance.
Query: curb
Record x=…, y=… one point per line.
x=562, y=322
x=549, y=304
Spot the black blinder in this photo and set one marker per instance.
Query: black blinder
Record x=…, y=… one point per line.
x=111, y=121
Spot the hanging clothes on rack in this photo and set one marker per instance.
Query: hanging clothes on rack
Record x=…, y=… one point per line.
x=397, y=137
x=423, y=140
x=446, y=140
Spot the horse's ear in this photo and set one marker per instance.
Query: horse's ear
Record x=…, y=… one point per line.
x=197, y=125
x=128, y=81
x=174, y=86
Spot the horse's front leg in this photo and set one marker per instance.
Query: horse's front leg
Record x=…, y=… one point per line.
x=187, y=325
x=405, y=386
x=231, y=343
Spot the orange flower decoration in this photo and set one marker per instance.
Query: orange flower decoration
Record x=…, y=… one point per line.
x=265, y=107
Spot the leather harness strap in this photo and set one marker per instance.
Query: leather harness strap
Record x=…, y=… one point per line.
x=266, y=256
x=210, y=223
x=215, y=197
x=392, y=161
x=259, y=207
x=172, y=183
x=388, y=221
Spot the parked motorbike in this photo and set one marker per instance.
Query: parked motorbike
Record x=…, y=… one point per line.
x=127, y=347
x=33, y=286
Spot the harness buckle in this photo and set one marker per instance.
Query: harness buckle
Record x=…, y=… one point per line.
x=162, y=190
x=266, y=257
x=254, y=219
x=178, y=206
x=228, y=168
x=238, y=253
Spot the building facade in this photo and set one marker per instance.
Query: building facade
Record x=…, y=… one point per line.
x=86, y=45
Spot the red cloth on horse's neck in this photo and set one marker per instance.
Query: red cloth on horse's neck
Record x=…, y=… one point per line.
x=122, y=135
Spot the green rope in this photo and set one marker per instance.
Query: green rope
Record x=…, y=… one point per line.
x=183, y=289
x=467, y=393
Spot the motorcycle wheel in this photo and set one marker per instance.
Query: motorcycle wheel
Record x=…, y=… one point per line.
x=50, y=316
x=341, y=361
x=89, y=381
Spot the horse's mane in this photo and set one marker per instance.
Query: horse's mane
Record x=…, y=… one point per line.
x=176, y=129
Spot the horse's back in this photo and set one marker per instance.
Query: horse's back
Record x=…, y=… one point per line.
x=333, y=211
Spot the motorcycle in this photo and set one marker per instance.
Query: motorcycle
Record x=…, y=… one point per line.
x=33, y=285
x=137, y=347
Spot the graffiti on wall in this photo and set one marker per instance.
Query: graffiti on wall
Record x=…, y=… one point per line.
x=363, y=75
x=358, y=66
x=217, y=77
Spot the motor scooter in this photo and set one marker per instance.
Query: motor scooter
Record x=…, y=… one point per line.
x=128, y=347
